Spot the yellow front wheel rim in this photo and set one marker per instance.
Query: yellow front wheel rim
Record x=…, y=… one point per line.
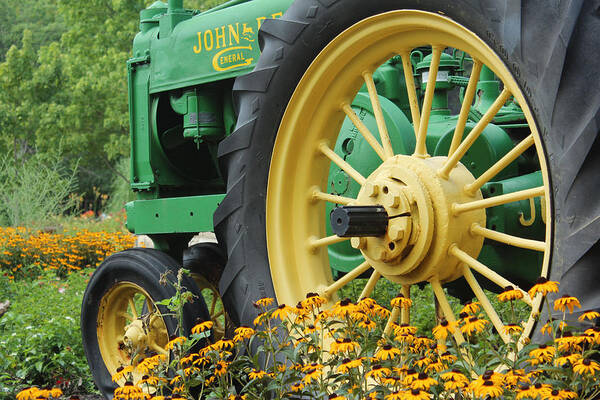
x=129, y=327
x=302, y=153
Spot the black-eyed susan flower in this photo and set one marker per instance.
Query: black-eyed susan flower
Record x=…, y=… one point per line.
x=387, y=352
x=397, y=395
x=416, y=394
x=264, y=302
x=445, y=328
x=515, y=377
x=243, y=332
x=540, y=389
x=260, y=319
x=347, y=364
x=237, y=397
x=343, y=308
x=220, y=368
x=512, y=329
x=334, y=396
x=122, y=372
x=343, y=346
x=589, y=315
x=454, y=374
x=471, y=307
x=568, y=342
x=553, y=394
x=281, y=312
x=410, y=376
x=404, y=329
x=28, y=394
x=586, y=367
x=448, y=357
x=401, y=302
x=128, y=391
x=177, y=341
x=55, y=392
x=437, y=366
x=256, y=374
x=423, y=381
x=378, y=372
x=568, y=359
x=313, y=300
x=297, y=387
x=566, y=302
x=526, y=391
x=311, y=374
x=423, y=361
x=488, y=389
x=509, y=294
x=568, y=394
x=544, y=286
x=367, y=324
x=473, y=325
x=453, y=385
x=203, y=326
x=543, y=353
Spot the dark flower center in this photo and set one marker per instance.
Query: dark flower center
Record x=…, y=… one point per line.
x=587, y=362
x=488, y=383
x=422, y=376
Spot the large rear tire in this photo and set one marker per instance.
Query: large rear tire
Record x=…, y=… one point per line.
x=291, y=102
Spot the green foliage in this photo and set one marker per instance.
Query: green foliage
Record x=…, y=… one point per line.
x=40, y=339
x=34, y=190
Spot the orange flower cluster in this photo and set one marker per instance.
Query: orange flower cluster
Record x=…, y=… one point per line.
x=24, y=253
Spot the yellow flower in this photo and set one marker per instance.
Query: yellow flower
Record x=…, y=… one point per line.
x=201, y=327
x=297, y=387
x=343, y=346
x=488, y=388
x=552, y=395
x=589, y=315
x=509, y=294
x=128, y=391
x=264, y=302
x=220, y=368
x=28, y=394
x=415, y=394
x=378, y=372
x=367, y=324
x=441, y=331
x=543, y=286
x=387, y=351
x=473, y=325
x=243, y=332
x=254, y=374
x=470, y=308
x=512, y=329
x=55, y=392
x=568, y=359
x=343, y=308
x=404, y=329
x=281, y=312
x=423, y=381
x=177, y=341
x=543, y=353
x=313, y=300
x=398, y=395
x=401, y=302
x=347, y=364
x=311, y=374
x=237, y=397
x=121, y=372
x=566, y=302
x=569, y=342
x=334, y=396
x=586, y=367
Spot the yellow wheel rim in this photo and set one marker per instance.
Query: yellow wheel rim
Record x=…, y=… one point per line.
x=214, y=303
x=443, y=192
x=129, y=327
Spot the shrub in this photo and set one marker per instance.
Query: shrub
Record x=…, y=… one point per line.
x=40, y=339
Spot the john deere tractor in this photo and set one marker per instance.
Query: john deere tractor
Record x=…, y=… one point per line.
x=423, y=142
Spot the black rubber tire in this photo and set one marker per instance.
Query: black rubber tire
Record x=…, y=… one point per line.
x=555, y=64
x=143, y=267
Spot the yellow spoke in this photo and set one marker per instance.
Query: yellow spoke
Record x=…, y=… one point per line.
x=508, y=239
x=340, y=162
x=383, y=132
x=452, y=160
x=405, y=312
x=368, y=289
x=487, y=272
x=344, y=280
x=157, y=348
x=332, y=198
x=391, y=320
x=485, y=303
x=411, y=91
x=132, y=307
x=213, y=303
x=220, y=313
x=466, y=106
x=126, y=316
x=421, y=146
x=446, y=309
x=509, y=157
x=364, y=131
x=497, y=200
x=314, y=243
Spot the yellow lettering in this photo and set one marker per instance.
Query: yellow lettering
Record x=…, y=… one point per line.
x=277, y=15
x=260, y=20
x=220, y=37
x=198, y=49
x=208, y=46
x=234, y=33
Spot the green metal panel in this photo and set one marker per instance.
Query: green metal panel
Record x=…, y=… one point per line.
x=209, y=47
x=172, y=215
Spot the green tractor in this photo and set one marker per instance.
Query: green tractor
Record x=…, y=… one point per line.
x=424, y=142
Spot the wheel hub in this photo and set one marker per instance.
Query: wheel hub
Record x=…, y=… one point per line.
x=421, y=226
